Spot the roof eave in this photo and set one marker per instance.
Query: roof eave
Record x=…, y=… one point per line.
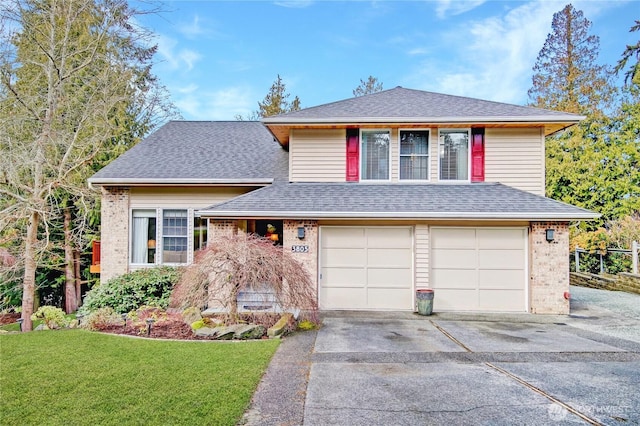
x=399, y=215
x=572, y=119
x=178, y=182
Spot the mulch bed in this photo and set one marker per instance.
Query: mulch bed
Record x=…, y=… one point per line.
x=8, y=318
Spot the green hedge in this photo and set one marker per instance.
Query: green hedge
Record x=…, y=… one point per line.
x=128, y=292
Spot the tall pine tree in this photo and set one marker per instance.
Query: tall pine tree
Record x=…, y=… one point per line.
x=586, y=165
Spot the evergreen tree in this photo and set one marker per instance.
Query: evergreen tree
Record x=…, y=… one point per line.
x=589, y=164
x=367, y=87
x=566, y=75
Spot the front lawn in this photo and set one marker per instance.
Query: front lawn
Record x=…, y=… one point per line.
x=83, y=378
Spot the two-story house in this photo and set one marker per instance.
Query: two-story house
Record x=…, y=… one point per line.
x=377, y=196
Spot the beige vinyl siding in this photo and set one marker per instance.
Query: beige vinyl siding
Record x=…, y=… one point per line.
x=422, y=255
x=318, y=155
x=196, y=198
x=395, y=155
x=515, y=157
x=433, y=153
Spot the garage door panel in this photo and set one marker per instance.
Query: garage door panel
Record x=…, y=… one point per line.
x=454, y=258
x=500, y=279
x=479, y=269
x=347, y=237
x=366, y=268
x=342, y=257
x=344, y=277
x=502, y=300
x=389, y=258
x=500, y=239
x=384, y=299
x=454, y=278
x=389, y=278
x=501, y=259
x=343, y=298
x=389, y=238
x=453, y=238
x=455, y=300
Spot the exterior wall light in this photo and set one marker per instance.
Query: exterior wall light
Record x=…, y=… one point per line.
x=301, y=232
x=549, y=235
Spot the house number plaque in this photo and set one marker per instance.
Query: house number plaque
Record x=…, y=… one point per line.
x=300, y=249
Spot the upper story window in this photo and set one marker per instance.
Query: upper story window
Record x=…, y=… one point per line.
x=454, y=155
x=414, y=154
x=374, y=154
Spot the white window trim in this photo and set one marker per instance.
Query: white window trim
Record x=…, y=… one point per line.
x=159, y=230
x=159, y=237
x=360, y=168
x=130, y=253
x=468, y=180
x=428, y=154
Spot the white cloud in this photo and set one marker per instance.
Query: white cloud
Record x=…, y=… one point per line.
x=455, y=7
x=175, y=57
x=494, y=56
x=192, y=29
x=223, y=104
x=299, y=4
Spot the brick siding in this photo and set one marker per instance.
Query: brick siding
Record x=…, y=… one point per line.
x=549, y=268
x=114, y=236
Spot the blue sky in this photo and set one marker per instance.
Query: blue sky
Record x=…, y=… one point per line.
x=219, y=58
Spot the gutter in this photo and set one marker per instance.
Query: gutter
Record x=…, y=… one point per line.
x=398, y=215
x=177, y=182
x=539, y=119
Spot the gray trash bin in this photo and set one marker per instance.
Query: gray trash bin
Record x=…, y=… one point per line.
x=424, y=298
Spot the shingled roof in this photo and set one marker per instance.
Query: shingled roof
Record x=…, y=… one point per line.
x=408, y=106
x=418, y=105
x=200, y=153
x=409, y=201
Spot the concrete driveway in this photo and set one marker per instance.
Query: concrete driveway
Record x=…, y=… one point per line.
x=404, y=369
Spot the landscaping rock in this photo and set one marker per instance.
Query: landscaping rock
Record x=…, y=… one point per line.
x=41, y=327
x=249, y=331
x=207, y=332
x=191, y=315
x=279, y=327
x=226, y=333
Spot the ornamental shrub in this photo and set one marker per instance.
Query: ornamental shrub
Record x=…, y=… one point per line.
x=53, y=317
x=150, y=287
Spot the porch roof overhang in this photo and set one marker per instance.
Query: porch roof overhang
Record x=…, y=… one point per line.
x=354, y=201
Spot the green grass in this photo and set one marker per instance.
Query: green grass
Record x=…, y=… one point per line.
x=83, y=378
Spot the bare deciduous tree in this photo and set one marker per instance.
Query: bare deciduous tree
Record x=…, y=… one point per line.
x=76, y=90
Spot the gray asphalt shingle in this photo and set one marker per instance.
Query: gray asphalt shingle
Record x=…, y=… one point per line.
x=408, y=103
x=309, y=200
x=206, y=150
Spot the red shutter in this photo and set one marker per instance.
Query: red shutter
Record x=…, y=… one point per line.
x=477, y=155
x=353, y=157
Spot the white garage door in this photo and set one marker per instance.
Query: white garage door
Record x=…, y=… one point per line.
x=366, y=268
x=479, y=269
